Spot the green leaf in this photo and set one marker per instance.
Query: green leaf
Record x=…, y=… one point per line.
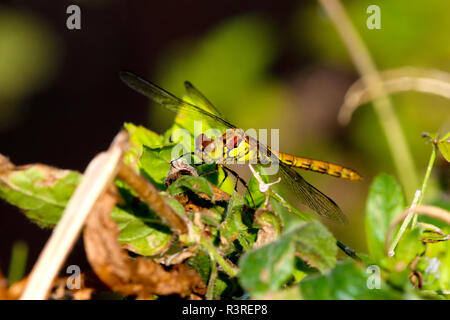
x=347, y=281
x=253, y=188
x=444, y=146
x=236, y=225
x=269, y=267
x=436, y=265
x=42, y=192
x=144, y=238
x=409, y=247
x=155, y=163
x=198, y=185
x=315, y=245
x=139, y=137
x=271, y=226
x=384, y=203
x=287, y=211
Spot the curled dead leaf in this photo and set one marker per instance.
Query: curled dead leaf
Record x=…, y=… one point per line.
x=271, y=226
x=140, y=277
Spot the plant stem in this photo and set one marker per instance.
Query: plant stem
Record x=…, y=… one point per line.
x=227, y=267
x=18, y=262
x=383, y=106
x=348, y=251
x=416, y=202
x=212, y=281
x=425, y=181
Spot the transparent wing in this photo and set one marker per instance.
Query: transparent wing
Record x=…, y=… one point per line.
x=310, y=196
x=168, y=100
x=305, y=193
x=199, y=98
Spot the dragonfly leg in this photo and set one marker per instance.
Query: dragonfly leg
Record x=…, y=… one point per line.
x=182, y=156
x=225, y=172
x=239, y=179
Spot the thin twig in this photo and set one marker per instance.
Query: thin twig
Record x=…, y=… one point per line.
x=212, y=281
x=149, y=194
x=227, y=266
x=383, y=106
x=348, y=251
x=416, y=202
x=396, y=80
x=98, y=175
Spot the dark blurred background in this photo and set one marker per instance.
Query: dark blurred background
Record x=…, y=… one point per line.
x=265, y=64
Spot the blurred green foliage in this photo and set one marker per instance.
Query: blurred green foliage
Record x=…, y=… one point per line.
x=28, y=60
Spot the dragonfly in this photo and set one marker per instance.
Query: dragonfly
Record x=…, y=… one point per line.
x=235, y=144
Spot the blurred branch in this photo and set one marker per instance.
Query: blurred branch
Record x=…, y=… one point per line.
x=148, y=193
x=396, y=80
x=98, y=175
x=382, y=104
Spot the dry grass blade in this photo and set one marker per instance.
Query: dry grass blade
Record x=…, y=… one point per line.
x=396, y=80
x=383, y=105
x=99, y=174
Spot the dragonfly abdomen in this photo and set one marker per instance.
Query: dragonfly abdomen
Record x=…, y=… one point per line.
x=319, y=166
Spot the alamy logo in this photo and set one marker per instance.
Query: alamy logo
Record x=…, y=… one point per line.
x=374, y=278
x=74, y=280
x=374, y=20
x=73, y=21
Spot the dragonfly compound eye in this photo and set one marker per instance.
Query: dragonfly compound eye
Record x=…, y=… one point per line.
x=203, y=142
x=233, y=141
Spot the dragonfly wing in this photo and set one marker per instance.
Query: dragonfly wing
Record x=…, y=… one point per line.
x=310, y=196
x=168, y=100
x=199, y=98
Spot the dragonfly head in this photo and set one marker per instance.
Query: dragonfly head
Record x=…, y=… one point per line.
x=208, y=149
x=204, y=144
x=233, y=138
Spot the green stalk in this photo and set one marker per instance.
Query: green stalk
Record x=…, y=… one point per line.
x=416, y=202
x=425, y=181
x=18, y=262
x=212, y=281
x=227, y=267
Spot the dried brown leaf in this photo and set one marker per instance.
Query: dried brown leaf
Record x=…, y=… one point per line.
x=140, y=277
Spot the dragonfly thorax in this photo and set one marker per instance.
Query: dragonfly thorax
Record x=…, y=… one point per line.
x=231, y=147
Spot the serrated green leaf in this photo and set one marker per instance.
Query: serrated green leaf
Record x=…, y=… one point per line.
x=42, y=192
x=139, y=137
x=269, y=267
x=436, y=265
x=201, y=262
x=236, y=225
x=155, y=163
x=444, y=146
x=384, y=203
x=287, y=211
x=409, y=247
x=347, y=281
x=253, y=188
x=198, y=185
x=271, y=226
x=315, y=245
x=146, y=239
